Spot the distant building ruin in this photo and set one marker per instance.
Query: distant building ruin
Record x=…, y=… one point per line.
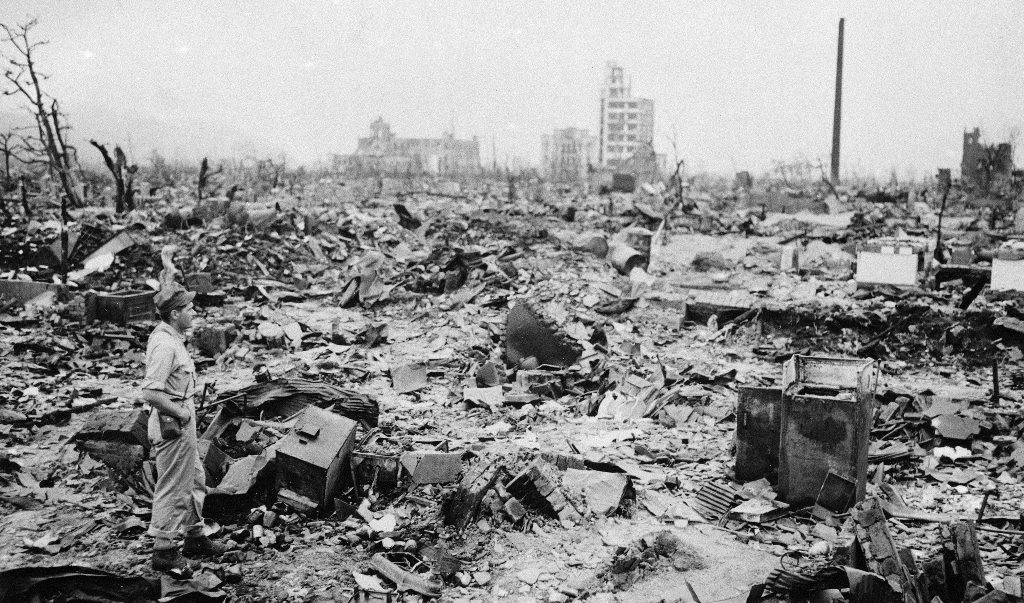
x=743, y=180
x=983, y=163
x=568, y=154
x=383, y=153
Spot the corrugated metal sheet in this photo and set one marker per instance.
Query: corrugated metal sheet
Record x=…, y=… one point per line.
x=715, y=500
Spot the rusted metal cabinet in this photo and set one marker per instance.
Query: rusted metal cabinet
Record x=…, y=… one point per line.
x=315, y=455
x=758, y=420
x=826, y=424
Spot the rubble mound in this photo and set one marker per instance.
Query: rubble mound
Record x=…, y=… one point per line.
x=652, y=553
x=710, y=261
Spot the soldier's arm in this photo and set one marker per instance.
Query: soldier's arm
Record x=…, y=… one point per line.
x=165, y=404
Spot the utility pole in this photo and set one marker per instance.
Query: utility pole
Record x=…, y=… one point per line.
x=837, y=116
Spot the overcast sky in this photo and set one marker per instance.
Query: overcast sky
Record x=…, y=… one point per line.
x=736, y=85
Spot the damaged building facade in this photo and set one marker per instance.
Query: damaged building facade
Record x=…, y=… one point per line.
x=568, y=154
x=982, y=163
x=384, y=154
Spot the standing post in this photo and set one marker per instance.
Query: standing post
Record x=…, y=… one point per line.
x=64, y=251
x=23, y=187
x=995, y=380
x=837, y=116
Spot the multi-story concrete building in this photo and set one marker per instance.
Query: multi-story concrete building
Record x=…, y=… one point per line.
x=568, y=154
x=383, y=153
x=627, y=127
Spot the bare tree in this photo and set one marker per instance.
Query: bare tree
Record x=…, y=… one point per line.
x=124, y=177
x=21, y=73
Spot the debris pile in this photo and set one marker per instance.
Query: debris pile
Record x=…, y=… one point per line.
x=474, y=397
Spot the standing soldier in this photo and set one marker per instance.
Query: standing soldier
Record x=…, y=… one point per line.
x=169, y=388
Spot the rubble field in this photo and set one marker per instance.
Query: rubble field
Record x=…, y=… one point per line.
x=466, y=393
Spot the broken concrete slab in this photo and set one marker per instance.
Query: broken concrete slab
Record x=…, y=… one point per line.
x=759, y=510
x=489, y=397
x=604, y=493
x=21, y=292
x=407, y=378
x=956, y=427
x=427, y=467
x=128, y=426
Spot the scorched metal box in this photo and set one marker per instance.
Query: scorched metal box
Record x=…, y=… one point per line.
x=121, y=307
x=313, y=456
x=826, y=424
x=758, y=418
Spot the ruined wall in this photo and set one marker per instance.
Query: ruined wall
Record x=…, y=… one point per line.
x=982, y=163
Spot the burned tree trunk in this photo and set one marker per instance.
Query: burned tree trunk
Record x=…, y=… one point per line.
x=129, y=178
x=204, y=176
x=204, y=169
x=940, y=255
x=23, y=187
x=123, y=174
x=8, y=151
x=8, y=216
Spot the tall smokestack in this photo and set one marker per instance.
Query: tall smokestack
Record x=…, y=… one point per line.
x=837, y=116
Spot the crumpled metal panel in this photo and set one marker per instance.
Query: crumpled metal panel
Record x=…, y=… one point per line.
x=288, y=395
